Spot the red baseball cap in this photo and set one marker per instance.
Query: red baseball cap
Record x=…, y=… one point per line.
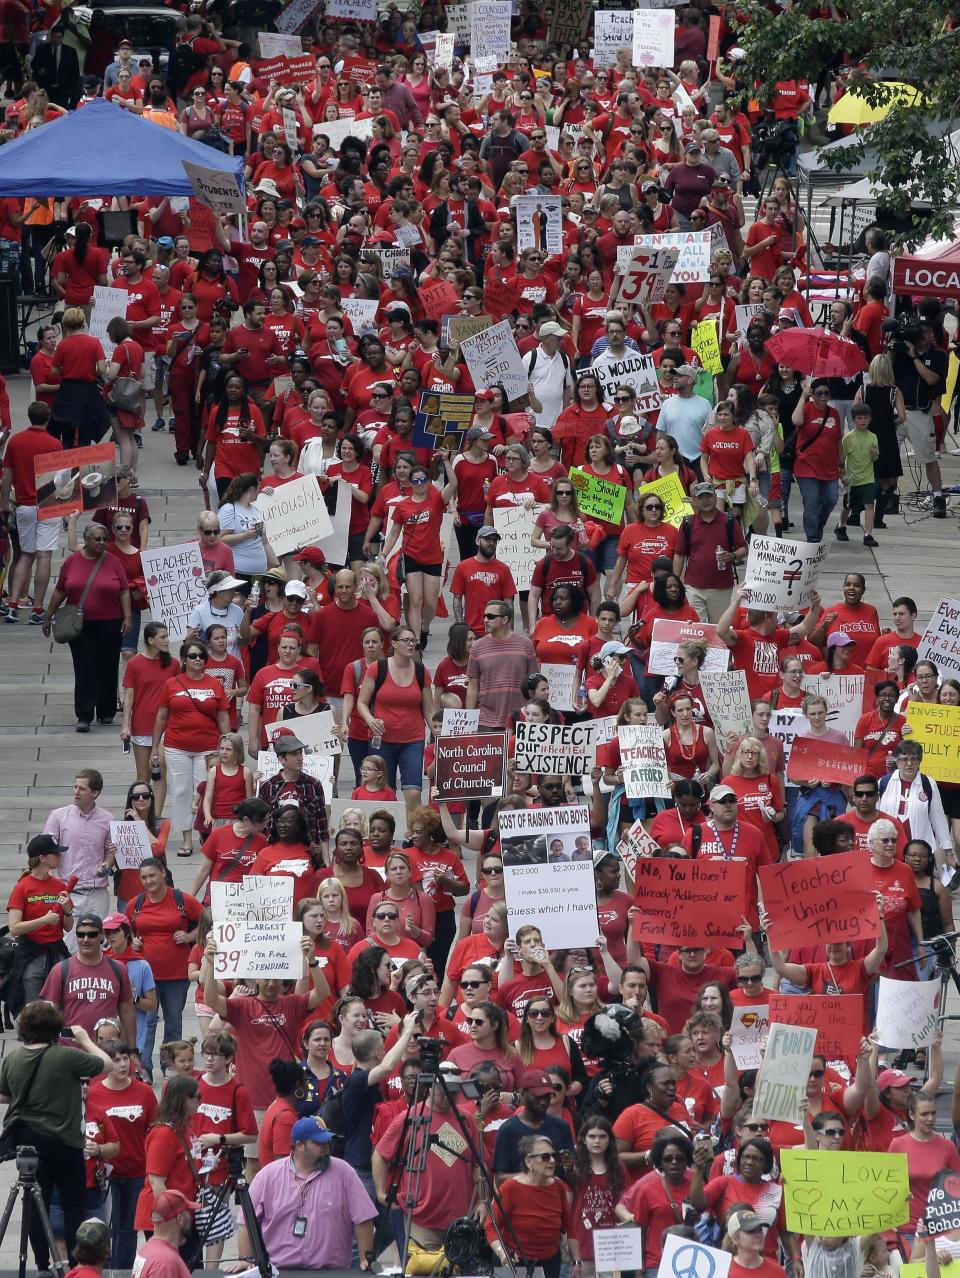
x=311, y=555
x=171, y=1203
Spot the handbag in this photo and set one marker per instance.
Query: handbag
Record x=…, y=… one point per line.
x=125, y=394
x=68, y=619
x=8, y=1139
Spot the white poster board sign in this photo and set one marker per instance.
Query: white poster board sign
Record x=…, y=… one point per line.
x=617, y=1249
x=645, y=773
x=557, y=749
x=295, y=515
x=338, y=130
x=515, y=524
x=174, y=577
x=273, y=951
x=492, y=356
x=728, y=701
x=634, y=370
x=273, y=45
x=941, y=639
x=314, y=730
x=296, y=13
x=612, y=31
x=256, y=898
x=318, y=766
x=645, y=280
x=563, y=685
x=539, y=223
x=696, y=250
x=132, y=839
x=548, y=873
x=214, y=188
x=490, y=29
x=748, y=1031
x=782, y=574
x=683, y=1256
x=843, y=694
x=653, y=32
x=783, y=1076
x=353, y=10
x=360, y=311
x=907, y=1012
x=108, y=304
x=460, y=723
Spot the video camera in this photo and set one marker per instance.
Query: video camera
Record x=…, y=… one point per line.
x=899, y=332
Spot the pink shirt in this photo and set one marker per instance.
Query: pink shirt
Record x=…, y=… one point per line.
x=335, y=1196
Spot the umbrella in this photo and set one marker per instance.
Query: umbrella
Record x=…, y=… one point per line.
x=854, y=109
x=815, y=351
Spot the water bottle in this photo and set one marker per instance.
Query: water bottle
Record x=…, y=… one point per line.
x=721, y=561
x=255, y=593
x=582, y=693
x=155, y=772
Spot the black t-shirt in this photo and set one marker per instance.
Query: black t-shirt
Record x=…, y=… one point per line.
x=506, y=1157
x=359, y=1100
x=916, y=392
x=847, y=387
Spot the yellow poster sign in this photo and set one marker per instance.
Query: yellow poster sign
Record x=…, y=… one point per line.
x=946, y=399
x=705, y=342
x=669, y=489
x=834, y=1195
x=937, y=729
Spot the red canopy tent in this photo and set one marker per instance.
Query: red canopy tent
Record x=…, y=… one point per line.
x=932, y=271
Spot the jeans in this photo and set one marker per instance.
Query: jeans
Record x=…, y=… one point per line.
x=61, y=1167
x=123, y=1206
x=443, y=934
x=408, y=757
x=171, y=998
x=819, y=497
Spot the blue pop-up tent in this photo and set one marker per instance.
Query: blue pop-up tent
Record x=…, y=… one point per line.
x=102, y=150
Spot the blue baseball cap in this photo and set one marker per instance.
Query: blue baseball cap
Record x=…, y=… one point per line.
x=310, y=1129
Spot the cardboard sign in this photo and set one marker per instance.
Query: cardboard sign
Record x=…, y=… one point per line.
x=458, y=21
x=568, y=25
x=272, y=45
x=563, y=683
x=786, y=726
x=937, y=729
x=942, y=1215
x=492, y=356
x=460, y=723
x=314, y=730
x=617, y=1249
x=490, y=29
x=837, y=1018
x=273, y=951
x=455, y=329
x=653, y=34
x=516, y=526
x=214, y=188
x=813, y=760
x=782, y=1080
x=645, y=772
x=442, y=420
x=728, y=701
x=598, y=498
x=941, y=639
x=782, y=574
x=75, y=480
x=318, y=766
x=133, y=843
x=108, y=303
x=648, y=273
x=296, y=14
x=555, y=749
x=835, y=1194
x=636, y=844
x=634, y=370
x=257, y=898
x=706, y=343
x=748, y=1033
x=471, y=766
x=174, y=577
x=676, y=503
x=820, y=902
x=689, y=902
x=684, y=1258
x=908, y=1012
x=665, y=636
x=548, y=873
x=612, y=31
x=438, y=299
x=295, y=515
x=540, y=223
x=713, y=39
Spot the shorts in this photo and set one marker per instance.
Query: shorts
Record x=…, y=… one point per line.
x=859, y=497
x=413, y=565
x=148, y=373
x=336, y=705
x=36, y=534
x=920, y=431
x=146, y=742
x=253, y=1149
x=355, y=547
x=776, y=489
x=132, y=638
x=161, y=369
x=214, y=1226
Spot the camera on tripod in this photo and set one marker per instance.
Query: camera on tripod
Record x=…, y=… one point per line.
x=236, y=1161
x=900, y=331
x=774, y=141
x=28, y=1162
x=431, y=1053
x=942, y=950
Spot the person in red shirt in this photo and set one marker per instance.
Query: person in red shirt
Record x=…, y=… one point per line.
x=880, y=730
x=819, y=460
x=224, y=1118
x=865, y=812
x=757, y=649
x=270, y=688
x=417, y=518
x=727, y=456
x=859, y=621
x=479, y=580
x=762, y=248
x=895, y=882
x=40, y=907
x=254, y=351
x=236, y=436
x=725, y=837
x=871, y=315
x=38, y=538
x=143, y=307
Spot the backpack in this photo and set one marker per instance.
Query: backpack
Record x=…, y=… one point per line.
x=584, y=560
x=382, y=671
x=533, y=362
x=184, y=63
x=826, y=804
x=333, y=1117
x=686, y=523
x=63, y=968
x=178, y=901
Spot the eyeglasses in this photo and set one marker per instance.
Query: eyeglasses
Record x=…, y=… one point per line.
x=379, y=394
x=821, y=394
x=817, y=1073
x=658, y=509
x=87, y=936
x=471, y=985
x=886, y=838
x=539, y=1011
x=405, y=639
x=744, y=979
x=384, y=917
x=493, y=869
x=545, y=1158
x=623, y=399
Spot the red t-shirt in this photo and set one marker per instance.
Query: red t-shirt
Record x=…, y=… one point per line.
x=725, y=452
x=193, y=705
x=231, y=858
x=155, y=923
x=898, y=887
x=224, y=1109
x=143, y=302
x=165, y=1157
x=132, y=1109
x=640, y=546
x=420, y=522
x=504, y=491
x=859, y=623
x=77, y=356
x=818, y=446
x=718, y=845
x=759, y=657
x=554, y=644
x=478, y=582
x=157, y=1259
x=270, y=690
x=81, y=276
x=263, y=1031
x=235, y=456
x=260, y=343
x=18, y=460
x=35, y=897
x=337, y=633
x=147, y=678
x=400, y=708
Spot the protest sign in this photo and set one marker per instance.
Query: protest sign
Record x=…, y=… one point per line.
x=516, y=525
x=228, y=960
x=360, y=311
x=563, y=683
x=174, y=577
x=826, y=761
x=647, y=275
x=458, y=21
x=835, y=1194
x=781, y=574
x=748, y=1033
x=908, y=1012
x=338, y=130
x=843, y=694
x=820, y=902
x=471, y=766
x=634, y=370
x=617, y=1249
x=676, y=503
x=442, y=420
x=837, y=1018
x=352, y=10
x=492, y=356
x=256, y=898
x=459, y=723
x=937, y=729
x=273, y=951
x=314, y=730
x=942, y=1215
x=653, y=33
x=696, y=251
x=705, y=342
x=568, y=21
x=214, y=188
x=665, y=636
x=108, y=303
x=713, y=39
x=548, y=873
x=455, y=329
x=941, y=639
x=645, y=773
x=784, y=1072
x=334, y=545
x=490, y=29
x=295, y=515
x=438, y=299
x=612, y=31
x=296, y=14
x=75, y=480
x=290, y=129
x=500, y=298
x=635, y=845
x=318, y=766
x=132, y=839
x=728, y=701
x=556, y=749
x=273, y=45
x=744, y=314
x=684, y=1257
x=786, y=726
x=598, y=498
x=540, y=223
x=689, y=902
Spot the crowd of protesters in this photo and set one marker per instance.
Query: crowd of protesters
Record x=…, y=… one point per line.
x=605, y=1088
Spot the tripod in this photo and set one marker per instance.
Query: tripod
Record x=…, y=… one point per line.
x=413, y=1149
x=26, y=1185
x=236, y=1183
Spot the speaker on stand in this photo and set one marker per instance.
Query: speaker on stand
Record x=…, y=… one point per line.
x=9, y=327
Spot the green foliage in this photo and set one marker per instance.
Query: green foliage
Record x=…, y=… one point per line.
x=901, y=42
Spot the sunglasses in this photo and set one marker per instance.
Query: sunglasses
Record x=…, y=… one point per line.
x=87, y=936
x=493, y=869
x=623, y=399
x=746, y=980
x=564, y=492
x=658, y=509
x=558, y=1088
x=817, y=1073
x=544, y=1158
x=146, y=797
x=476, y=1021
x=539, y=1011
x=196, y=656
x=492, y=616
x=730, y=798
x=756, y=1127
x=865, y=794
x=383, y=918
x=209, y=532
x=833, y=1131
x=471, y=985
x=419, y=479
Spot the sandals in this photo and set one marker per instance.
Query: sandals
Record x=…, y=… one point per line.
x=184, y=851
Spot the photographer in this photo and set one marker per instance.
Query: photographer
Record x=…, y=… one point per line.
x=40, y=1085
x=920, y=371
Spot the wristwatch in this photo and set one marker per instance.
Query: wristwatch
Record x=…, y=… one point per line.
x=314, y=962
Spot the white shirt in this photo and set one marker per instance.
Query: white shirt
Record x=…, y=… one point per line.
x=551, y=375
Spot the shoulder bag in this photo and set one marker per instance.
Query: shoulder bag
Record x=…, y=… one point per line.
x=68, y=619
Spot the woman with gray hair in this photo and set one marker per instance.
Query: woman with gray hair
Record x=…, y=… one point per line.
x=93, y=582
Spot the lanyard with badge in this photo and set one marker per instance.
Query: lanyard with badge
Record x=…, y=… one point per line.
x=724, y=855
x=300, y=1220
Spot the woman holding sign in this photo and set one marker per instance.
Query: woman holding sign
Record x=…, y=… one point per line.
x=927, y=1155
x=760, y=795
